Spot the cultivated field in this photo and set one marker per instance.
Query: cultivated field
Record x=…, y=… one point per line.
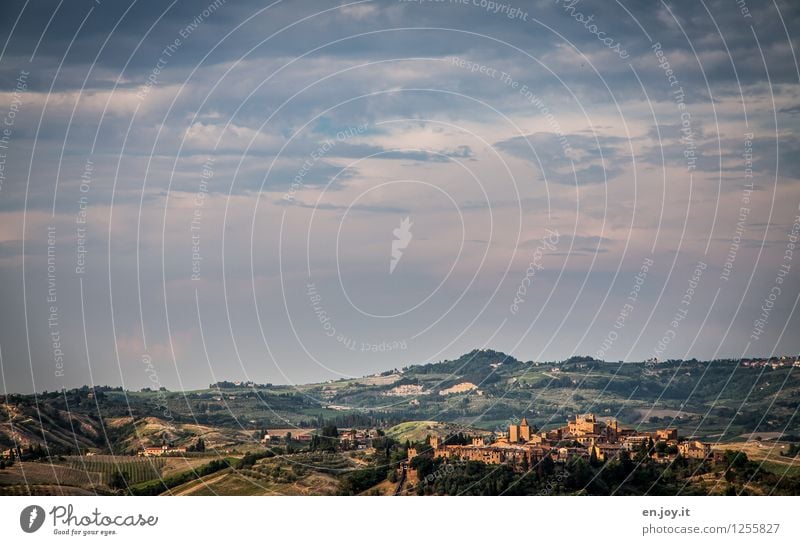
x=43, y=490
x=36, y=473
x=135, y=469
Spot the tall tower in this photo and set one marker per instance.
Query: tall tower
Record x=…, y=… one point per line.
x=513, y=433
x=434, y=442
x=524, y=430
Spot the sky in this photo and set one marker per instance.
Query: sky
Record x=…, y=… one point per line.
x=302, y=191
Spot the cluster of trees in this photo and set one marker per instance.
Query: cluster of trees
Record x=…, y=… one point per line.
x=119, y=480
x=229, y=384
x=326, y=440
x=577, y=476
x=457, y=439
x=250, y=458
x=199, y=446
x=741, y=472
x=470, y=478
x=38, y=452
x=360, y=480
x=355, y=419
x=475, y=360
x=387, y=455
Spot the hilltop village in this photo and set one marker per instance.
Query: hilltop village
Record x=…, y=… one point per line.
x=585, y=437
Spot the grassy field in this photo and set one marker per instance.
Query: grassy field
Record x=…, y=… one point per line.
x=223, y=483
x=306, y=474
x=768, y=453
x=419, y=430
x=384, y=488
x=783, y=469
x=175, y=464
x=246, y=482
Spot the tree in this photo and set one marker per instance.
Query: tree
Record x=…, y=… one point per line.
x=578, y=473
x=735, y=459
x=547, y=465
x=119, y=480
x=625, y=460
x=794, y=450
x=330, y=431
x=424, y=466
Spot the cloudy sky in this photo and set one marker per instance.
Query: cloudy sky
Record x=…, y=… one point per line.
x=301, y=191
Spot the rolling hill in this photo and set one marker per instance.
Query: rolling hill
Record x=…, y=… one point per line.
x=483, y=389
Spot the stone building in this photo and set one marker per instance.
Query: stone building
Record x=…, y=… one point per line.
x=694, y=449
x=519, y=432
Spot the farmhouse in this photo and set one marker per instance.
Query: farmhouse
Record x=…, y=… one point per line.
x=163, y=450
x=694, y=449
